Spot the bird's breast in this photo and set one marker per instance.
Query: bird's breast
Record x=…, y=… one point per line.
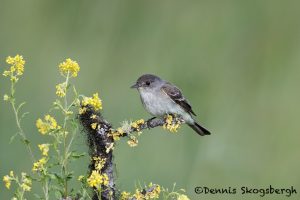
x=158, y=103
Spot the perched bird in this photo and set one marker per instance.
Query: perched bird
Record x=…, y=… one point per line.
x=160, y=98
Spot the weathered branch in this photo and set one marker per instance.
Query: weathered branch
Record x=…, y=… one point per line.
x=150, y=123
x=99, y=138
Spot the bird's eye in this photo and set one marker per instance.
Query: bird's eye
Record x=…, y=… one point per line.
x=147, y=83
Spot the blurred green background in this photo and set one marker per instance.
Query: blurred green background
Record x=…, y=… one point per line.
x=238, y=63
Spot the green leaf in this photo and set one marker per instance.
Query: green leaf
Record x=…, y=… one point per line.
x=69, y=176
x=12, y=138
x=53, y=164
x=59, y=179
x=26, y=141
x=76, y=155
x=23, y=115
x=20, y=106
x=51, y=176
x=75, y=91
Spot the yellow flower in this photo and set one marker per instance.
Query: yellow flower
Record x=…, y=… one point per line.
x=138, y=195
x=44, y=149
x=132, y=142
x=82, y=110
x=182, y=197
x=69, y=66
x=136, y=124
x=39, y=165
x=61, y=90
x=26, y=182
x=5, y=97
x=120, y=131
x=7, y=181
x=116, y=133
x=14, y=79
x=17, y=65
x=99, y=163
x=105, y=179
x=80, y=178
x=94, y=125
x=9, y=60
x=140, y=121
x=25, y=187
x=171, y=124
x=154, y=193
x=6, y=73
x=94, y=101
x=11, y=174
x=95, y=179
x=93, y=116
x=125, y=195
x=69, y=112
x=46, y=126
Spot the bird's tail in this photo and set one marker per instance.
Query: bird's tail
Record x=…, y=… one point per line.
x=199, y=129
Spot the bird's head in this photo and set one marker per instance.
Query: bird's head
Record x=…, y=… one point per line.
x=147, y=81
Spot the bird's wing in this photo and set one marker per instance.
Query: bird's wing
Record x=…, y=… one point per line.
x=175, y=94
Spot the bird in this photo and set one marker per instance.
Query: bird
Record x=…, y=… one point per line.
x=160, y=98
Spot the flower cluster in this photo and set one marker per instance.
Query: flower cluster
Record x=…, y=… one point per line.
x=44, y=149
x=7, y=179
x=133, y=141
x=172, y=123
x=25, y=183
x=116, y=134
x=152, y=192
x=16, y=69
x=99, y=163
x=48, y=125
x=94, y=101
x=69, y=67
x=39, y=165
x=125, y=195
x=96, y=179
x=61, y=89
x=137, y=124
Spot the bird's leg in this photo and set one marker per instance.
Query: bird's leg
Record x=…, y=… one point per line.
x=152, y=118
x=149, y=121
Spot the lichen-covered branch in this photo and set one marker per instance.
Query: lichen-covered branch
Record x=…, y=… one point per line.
x=100, y=139
x=150, y=123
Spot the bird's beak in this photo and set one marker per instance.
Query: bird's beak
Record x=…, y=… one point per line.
x=134, y=86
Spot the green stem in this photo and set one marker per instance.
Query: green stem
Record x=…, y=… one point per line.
x=65, y=153
x=46, y=190
x=21, y=132
x=71, y=141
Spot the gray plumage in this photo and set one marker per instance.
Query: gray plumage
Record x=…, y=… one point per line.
x=160, y=97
